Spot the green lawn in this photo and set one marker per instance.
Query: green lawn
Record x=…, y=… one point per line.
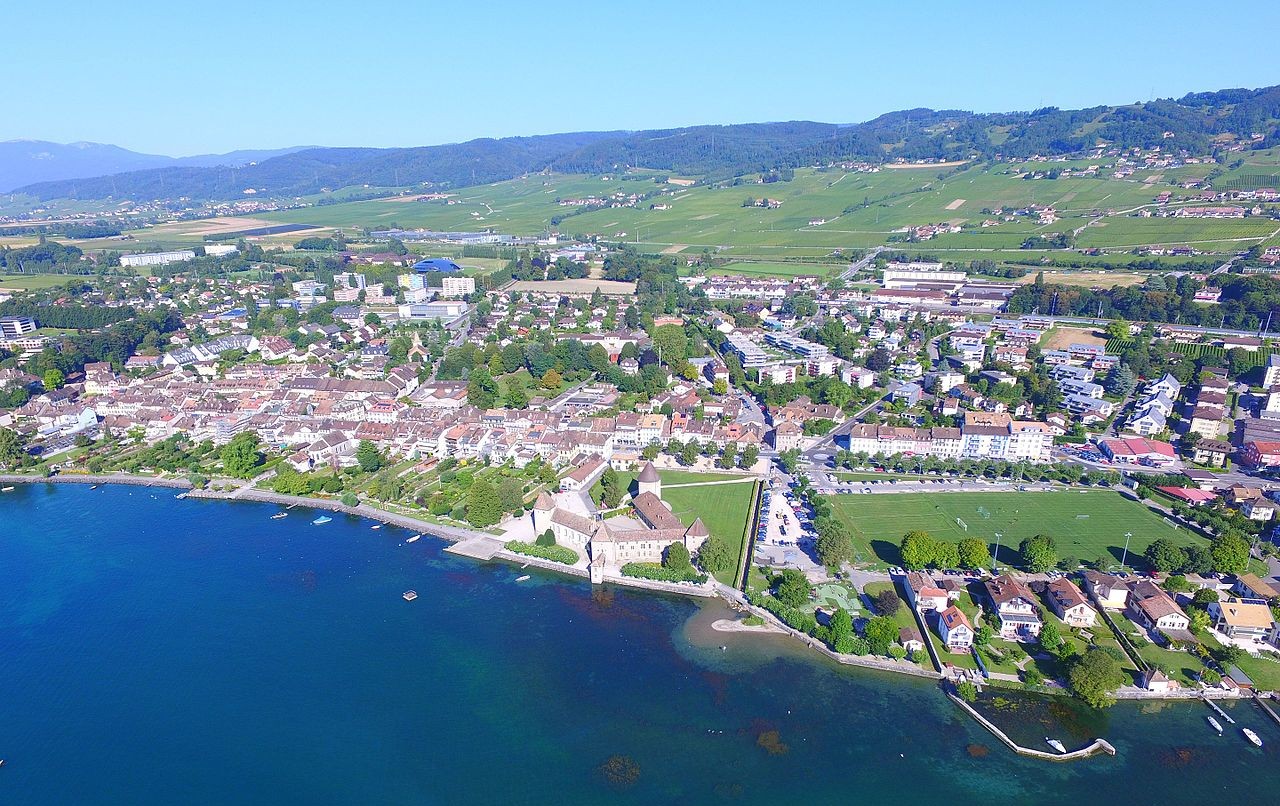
x=670, y=477
x=1264, y=672
x=1085, y=523
x=30, y=282
x=725, y=509
x=1181, y=666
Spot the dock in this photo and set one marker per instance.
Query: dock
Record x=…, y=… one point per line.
x=478, y=547
x=1093, y=748
x=1267, y=709
x=1218, y=710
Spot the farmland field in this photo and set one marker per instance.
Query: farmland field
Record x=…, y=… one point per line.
x=30, y=282
x=1086, y=524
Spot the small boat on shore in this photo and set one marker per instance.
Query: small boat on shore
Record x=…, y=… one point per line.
x=1216, y=724
x=1056, y=745
x=1251, y=736
x=414, y=539
x=279, y=515
x=522, y=578
x=409, y=596
x=322, y=520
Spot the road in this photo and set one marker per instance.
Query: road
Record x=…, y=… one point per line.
x=867, y=260
x=823, y=445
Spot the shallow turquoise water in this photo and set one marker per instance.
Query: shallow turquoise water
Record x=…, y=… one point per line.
x=163, y=651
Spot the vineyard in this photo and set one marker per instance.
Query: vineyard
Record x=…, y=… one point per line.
x=1197, y=351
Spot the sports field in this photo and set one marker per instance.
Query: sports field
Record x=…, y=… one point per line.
x=1086, y=524
x=725, y=510
x=28, y=282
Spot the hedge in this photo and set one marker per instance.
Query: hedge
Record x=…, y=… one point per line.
x=658, y=573
x=556, y=554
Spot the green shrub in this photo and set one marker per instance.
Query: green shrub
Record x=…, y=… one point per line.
x=547, y=538
x=658, y=573
x=556, y=554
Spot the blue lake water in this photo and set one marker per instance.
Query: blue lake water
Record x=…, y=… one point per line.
x=163, y=651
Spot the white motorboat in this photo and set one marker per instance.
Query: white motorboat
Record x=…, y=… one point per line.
x=414, y=539
x=1056, y=745
x=1251, y=736
x=1216, y=724
x=522, y=578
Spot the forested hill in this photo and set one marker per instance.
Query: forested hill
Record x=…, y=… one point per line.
x=1194, y=123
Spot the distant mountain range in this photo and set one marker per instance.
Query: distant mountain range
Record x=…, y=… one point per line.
x=1195, y=122
x=26, y=162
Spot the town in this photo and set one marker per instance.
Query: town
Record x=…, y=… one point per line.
x=909, y=465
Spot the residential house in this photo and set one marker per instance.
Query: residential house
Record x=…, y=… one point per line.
x=955, y=630
x=1068, y=603
x=1015, y=607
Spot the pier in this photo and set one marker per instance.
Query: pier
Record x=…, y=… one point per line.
x=1091, y=749
x=1267, y=709
x=1218, y=710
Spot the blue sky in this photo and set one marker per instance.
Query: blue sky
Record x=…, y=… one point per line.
x=184, y=78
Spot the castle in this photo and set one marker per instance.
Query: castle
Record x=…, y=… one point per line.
x=618, y=541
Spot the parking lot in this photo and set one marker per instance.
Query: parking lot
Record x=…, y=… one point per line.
x=785, y=536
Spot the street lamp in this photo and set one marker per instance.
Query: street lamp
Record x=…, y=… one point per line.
x=996, y=557
x=1125, y=556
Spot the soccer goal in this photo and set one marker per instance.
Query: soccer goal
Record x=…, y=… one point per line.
x=963, y=526
x=1082, y=517
x=983, y=513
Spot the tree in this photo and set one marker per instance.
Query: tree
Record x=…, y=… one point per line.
x=484, y=508
x=833, y=545
x=714, y=557
x=517, y=396
x=1230, y=552
x=1051, y=637
x=720, y=386
x=547, y=538
x=551, y=380
x=368, y=457
x=11, y=452
x=511, y=494
x=54, y=379
x=1118, y=329
x=1038, y=554
x=967, y=691
x=881, y=632
x=482, y=389
x=792, y=588
x=1094, y=677
x=973, y=553
x=887, y=602
x=918, y=549
x=841, y=624
x=240, y=456
x=1199, y=560
x=611, y=488
x=748, y=457
x=1204, y=597
x=1121, y=380
x=789, y=460
x=350, y=500
x=676, y=558
x=689, y=453
x=671, y=343
x=1165, y=555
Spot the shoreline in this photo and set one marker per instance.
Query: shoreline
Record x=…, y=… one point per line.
x=452, y=535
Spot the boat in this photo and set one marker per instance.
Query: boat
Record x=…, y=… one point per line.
x=94, y=486
x=320, y=521
x=1056, y=745
x=376, y=526
x=6, y=489
x=414, y=539
x=409, y=596
x=522, y=578
x=279, y=515
x=1251, y=736
x=1219, y=711
x=1216, y=724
